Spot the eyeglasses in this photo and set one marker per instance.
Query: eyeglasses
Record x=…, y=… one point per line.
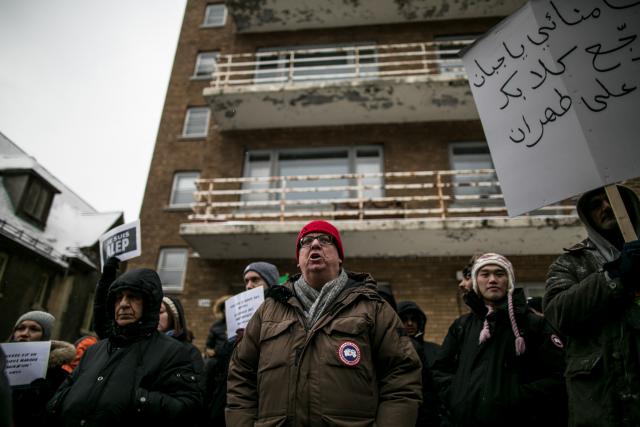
x=323, y=239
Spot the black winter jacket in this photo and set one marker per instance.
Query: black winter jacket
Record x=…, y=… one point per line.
x=136, y=377
x=487, y=384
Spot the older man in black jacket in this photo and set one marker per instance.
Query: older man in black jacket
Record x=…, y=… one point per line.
x=137, y=376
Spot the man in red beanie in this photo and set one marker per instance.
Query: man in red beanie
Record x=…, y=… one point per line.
x=320, y=343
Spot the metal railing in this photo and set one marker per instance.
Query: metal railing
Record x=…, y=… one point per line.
x=422, y=194
x=34, y=243
x=356, y=62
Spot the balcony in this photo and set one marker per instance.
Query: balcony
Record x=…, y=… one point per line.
x=290, y=15
x=393, y=214
x=341, y=85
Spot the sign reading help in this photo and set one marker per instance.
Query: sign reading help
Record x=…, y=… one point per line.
x=557, y=86
x=122, y=241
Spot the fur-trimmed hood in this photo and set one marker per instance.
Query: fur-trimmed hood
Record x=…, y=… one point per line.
x=61, y=353
x=218, y=307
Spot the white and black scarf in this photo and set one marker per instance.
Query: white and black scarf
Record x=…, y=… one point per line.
x=315, y=302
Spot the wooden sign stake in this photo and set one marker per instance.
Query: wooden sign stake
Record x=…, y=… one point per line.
x=620, y=212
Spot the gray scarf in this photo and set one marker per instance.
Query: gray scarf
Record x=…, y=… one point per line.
x=315, y=302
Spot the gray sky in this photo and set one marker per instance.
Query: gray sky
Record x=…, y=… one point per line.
x=82, y=86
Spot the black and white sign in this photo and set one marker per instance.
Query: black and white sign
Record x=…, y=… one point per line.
x=122, y=241
x=26, y=361
x=557, y=85
x=239, y=308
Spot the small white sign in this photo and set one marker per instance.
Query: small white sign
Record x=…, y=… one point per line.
x=557, y=86
x=26, y=361
x=239, y=309
x=122, y=241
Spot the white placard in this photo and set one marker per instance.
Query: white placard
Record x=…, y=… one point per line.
x=122, y=241
x=239, y=308
x=557, y=86
x=26, y=361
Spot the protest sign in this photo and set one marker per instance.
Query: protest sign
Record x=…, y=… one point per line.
x=26, y=361
x=239, y=309
x=122, y=241
x=557, y=88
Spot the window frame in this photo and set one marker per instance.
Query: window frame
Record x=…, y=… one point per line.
x=161, y=256
x=207, y=13
x=187, y=118
x=489, y=190
x=43, y=203
x=176, y=176
x=199, y=58
x=275, y=169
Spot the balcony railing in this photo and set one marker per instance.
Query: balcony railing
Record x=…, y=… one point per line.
x=423, y=194
x=353, y=63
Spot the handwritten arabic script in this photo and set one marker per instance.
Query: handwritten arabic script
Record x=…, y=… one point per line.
x=532, y=77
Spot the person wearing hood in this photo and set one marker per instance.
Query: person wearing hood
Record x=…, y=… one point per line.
x=324, y=349
x=136, y=376
x=592, y=298
x=415, y=322
x=29, y=402
x=500, y=360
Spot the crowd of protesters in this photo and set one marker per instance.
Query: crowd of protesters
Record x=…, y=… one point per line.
x=329, y=347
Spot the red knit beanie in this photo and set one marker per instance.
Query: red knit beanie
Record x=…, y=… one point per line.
x=321, y=227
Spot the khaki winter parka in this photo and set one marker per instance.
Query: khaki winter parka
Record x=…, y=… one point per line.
x=355, y=367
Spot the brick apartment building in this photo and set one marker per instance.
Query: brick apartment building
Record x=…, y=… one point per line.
x=280, y=111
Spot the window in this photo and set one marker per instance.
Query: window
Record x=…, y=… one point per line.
x=41, y=295
x=184, y=185
x=87, y=318
x=448, y=53
x=473, y=155
x=215, y=15
x=330, y=62
x=205, y=64
x=36, y=201
x=172, y=264
x=196, y=122
x=293, y=162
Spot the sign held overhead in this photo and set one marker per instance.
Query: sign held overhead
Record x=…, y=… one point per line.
x=122, y=241
x=557, y=86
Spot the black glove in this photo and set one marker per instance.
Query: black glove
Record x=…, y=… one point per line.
x=627, y=265
x=111, y=266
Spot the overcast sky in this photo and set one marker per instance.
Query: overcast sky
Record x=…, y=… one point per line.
x=82, y=86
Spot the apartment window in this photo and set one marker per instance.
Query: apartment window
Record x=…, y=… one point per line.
x=469, y=156
x=196, y=122
x=324, y=161
x=215, y=15
x=448, y=53
x=172, y=264
x=184, y=185
x=205, y=64
x=317, y=62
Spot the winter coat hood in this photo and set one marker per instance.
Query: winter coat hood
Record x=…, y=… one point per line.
x=410, y=306
x=147, y=282
x=218, y=307
x=61, y=353
x=606, y=249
